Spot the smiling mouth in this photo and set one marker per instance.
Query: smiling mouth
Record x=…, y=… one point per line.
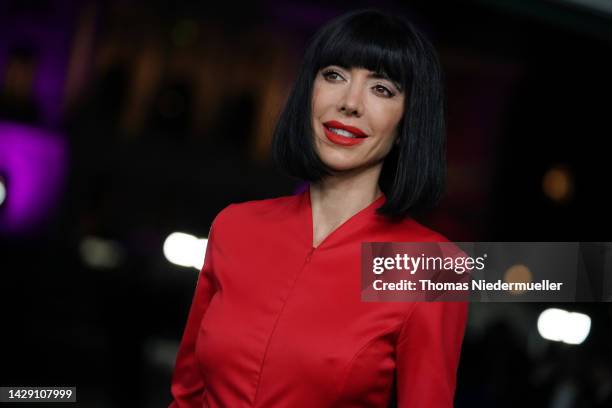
x=344, y=133
x=342, y=137
x=342, y=130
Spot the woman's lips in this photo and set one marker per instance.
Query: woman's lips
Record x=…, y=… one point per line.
x=358, y=135
x=342, y=140
x=352, y=129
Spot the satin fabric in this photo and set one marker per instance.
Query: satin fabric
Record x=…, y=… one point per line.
x=275, y=322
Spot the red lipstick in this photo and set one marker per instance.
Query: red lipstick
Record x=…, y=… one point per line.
x=360, y=136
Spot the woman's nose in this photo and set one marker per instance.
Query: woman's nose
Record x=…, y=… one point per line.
x=352, y=102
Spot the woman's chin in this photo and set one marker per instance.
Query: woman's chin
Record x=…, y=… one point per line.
x=341, y=161
x=343, y=167
x=340, y=165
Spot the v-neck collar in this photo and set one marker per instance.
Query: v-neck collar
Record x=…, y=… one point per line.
x=362, y=216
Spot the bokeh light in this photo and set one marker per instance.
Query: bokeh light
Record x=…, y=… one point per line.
x=558, y=184
x=563, y=326
x=185, y=250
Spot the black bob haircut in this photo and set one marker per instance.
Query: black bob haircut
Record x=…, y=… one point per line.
x=413, y=175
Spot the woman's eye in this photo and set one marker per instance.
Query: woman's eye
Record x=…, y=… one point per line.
x=383, y=90
x=331, y=75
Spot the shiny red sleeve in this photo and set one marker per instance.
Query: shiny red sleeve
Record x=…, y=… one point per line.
x=427, y=354
x=187, y=385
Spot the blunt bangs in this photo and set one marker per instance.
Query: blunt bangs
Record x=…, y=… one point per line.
x=413, y=174
x=366, y=42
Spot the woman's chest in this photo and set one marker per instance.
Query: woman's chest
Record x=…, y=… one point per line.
x=290, y=316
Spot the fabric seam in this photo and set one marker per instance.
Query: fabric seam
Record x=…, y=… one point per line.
x=362, y=349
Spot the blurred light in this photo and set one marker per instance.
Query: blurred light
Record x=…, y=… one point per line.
x=161, y=352
x=578, y=328
x=2, y=191
x=558, y=184
x=185, y=250
x=550, y=324
x=100, y=253
x=517, y=274
x=561, y=325
x=34, y=162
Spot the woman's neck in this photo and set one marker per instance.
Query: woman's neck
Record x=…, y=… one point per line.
x=358, y=186
x=337, y=198
x=350, y=198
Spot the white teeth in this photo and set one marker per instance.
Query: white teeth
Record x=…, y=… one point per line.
x=342, y=132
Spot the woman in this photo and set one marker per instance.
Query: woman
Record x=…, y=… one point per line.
x=276, y=319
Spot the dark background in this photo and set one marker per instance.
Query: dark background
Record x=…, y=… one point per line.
x=124, y=121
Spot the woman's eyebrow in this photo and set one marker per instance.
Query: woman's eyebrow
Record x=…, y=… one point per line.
x=381, y=75
x=375, y=75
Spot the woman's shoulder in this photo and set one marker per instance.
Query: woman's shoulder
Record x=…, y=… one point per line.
x=411, y=230
x=243, y=213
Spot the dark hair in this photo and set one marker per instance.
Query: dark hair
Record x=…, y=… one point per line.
x=414, y=172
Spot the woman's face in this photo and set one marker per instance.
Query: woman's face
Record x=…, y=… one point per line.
x=355, y=117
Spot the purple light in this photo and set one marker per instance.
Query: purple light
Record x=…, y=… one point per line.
x=34, y=163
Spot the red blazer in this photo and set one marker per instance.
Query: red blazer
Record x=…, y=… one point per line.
x=277, y=323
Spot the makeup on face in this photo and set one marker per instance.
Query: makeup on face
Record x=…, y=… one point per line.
x=344, y=135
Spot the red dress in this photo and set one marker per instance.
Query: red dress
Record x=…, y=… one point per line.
x=277, y=323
